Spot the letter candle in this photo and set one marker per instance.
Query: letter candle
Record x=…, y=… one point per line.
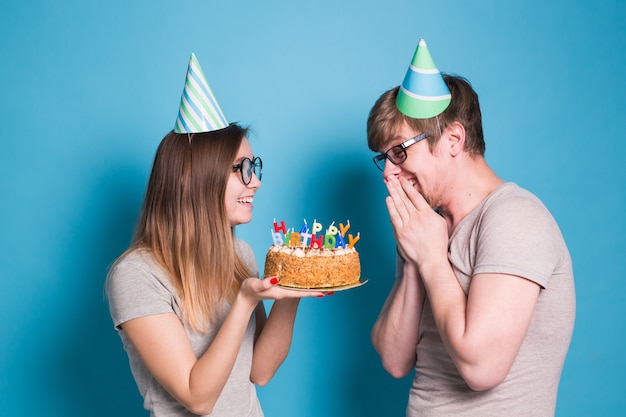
x=317, y=227
x=340, y=242
x=317, y=241
x=353, y=240
x=304, y=228
x=343, y=228
x=332, y=229
x=277, y=238
x=282, y=227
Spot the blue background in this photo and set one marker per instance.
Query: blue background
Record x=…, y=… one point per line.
x=89, y=88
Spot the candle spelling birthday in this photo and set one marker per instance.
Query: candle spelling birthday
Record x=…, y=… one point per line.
x=332, y=238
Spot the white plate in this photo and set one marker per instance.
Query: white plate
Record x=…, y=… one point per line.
x=339, y=288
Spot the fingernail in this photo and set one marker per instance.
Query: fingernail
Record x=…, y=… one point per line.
x=274, y=280
x=320, y=296
x=330, y=292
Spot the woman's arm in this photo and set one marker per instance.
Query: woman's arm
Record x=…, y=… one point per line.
x=274, y=341
x=164, y=347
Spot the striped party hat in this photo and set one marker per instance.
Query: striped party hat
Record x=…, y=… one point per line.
x=423, y=92
x=199, y=111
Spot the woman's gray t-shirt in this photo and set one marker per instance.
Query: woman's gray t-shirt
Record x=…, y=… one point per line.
x=137, y=286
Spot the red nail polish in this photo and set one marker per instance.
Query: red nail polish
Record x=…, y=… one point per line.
x=330, y=292
x=320, y=296
x=274, y=280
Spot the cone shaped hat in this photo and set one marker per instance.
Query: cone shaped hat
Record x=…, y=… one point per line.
x=199, y=110
x=423, y=93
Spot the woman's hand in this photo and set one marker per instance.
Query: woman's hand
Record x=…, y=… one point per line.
x=256, y=289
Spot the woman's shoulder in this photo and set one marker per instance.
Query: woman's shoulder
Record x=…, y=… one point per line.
x=134, y=266
x=137, y=286
x=242, y=247
x=245, y=252
x=135, y=259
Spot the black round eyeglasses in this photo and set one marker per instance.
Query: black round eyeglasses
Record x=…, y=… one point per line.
x=247, y=167
x=396, y=154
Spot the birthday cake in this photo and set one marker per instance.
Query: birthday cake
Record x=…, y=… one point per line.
x=308, y=259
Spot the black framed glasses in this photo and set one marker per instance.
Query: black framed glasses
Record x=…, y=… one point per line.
x=247, y=167
x=396, y=154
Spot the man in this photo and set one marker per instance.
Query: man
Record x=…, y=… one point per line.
x=483, y=304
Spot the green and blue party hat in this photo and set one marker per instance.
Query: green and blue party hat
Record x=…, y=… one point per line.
x=423, y=93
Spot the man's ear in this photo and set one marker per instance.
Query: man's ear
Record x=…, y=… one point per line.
x=455, y=135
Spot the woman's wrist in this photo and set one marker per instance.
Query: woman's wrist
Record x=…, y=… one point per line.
x=245, y=301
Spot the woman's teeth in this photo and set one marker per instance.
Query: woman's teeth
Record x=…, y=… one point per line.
x=245, y=200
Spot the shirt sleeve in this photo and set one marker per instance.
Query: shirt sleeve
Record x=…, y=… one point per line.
x=518, y=236
x=135, y=289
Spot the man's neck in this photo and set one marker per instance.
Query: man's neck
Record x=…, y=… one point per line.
x=473, y=181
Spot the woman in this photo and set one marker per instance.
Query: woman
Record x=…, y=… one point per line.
x=186, y=297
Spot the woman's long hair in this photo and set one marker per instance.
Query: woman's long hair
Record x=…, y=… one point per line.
x=184, y=223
